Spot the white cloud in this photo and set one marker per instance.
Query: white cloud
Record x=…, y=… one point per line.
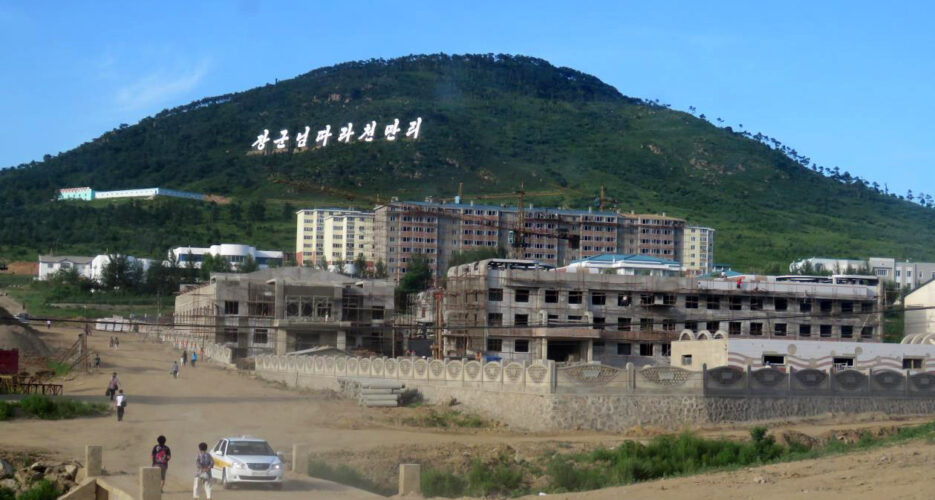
x=159, y=87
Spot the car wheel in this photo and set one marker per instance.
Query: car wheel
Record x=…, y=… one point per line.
x=224, y=482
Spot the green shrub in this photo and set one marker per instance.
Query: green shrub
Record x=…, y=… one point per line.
x=437, y=483
x=46, y=408
x=60, y=369
x=501, y=479
x=43, y=490
x=6, y=412
x=7, y=494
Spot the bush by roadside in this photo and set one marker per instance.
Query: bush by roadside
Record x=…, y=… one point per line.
x=46, y=408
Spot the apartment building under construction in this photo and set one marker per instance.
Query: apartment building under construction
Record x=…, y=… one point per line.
x=551, y=236
x=275, y=311
x=520, y=309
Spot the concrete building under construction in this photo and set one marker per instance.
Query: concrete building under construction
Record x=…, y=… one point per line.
x=520, y=309
x=287, y=309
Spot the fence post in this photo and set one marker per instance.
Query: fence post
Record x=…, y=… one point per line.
x=410, y=479
x=300, y=458
x=92, y=460
x=150, y=483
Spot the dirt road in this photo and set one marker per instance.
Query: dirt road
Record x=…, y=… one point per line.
x=209, y=402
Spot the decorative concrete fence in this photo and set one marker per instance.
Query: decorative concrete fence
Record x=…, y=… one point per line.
x=513, y=376
x=730, y=381
x=216, y=352
x=594, y=378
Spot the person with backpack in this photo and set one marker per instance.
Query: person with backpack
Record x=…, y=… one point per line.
x=194, y=358
x=121, y=402
x=203, y=465
x=175, y=369
x=161, y=456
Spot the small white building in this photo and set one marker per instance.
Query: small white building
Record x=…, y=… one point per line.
x=234, y=253
x=101, y=261
x=798, y=354
x=626, y=264
x=51, y=264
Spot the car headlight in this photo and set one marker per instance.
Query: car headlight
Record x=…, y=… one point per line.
x=276, y=467
x=238, y=465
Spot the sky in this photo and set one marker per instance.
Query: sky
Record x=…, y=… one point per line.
x=848, y=84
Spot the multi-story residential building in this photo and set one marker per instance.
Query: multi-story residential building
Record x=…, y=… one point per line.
x=287, y=309
x=551, y=236
x=347, y=235
x=314, y=224
x=519, y=309
x=650, y=234
x=234, y=253
x=697, y=254
x=905, y=274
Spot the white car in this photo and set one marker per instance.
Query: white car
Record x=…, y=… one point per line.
x=246, y=460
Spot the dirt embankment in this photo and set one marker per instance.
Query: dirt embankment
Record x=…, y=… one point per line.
x=16, y=335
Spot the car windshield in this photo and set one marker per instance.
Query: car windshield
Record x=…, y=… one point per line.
x=249, y=448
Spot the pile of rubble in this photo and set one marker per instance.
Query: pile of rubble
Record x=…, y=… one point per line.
x=61, y=474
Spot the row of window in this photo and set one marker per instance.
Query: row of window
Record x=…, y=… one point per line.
x=712, y=302
x=671, y=325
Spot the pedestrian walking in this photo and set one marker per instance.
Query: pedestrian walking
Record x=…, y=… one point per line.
x=161, y=456
x=48, y=323
x=112, y=386
x=184, y=358
x=111, y=343
x=175, y=369
x=116, y=342
x=203, y=465
x=194, y=358
x=121, y=402
x=97, y=360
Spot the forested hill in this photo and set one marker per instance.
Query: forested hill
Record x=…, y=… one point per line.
x=491, y=122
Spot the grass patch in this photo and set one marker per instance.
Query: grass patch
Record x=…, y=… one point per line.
x=499, y=479
x=447, y=419
x=60, y=369
x=42, y=490
x=46, y=408
x=345, y=475
x=631, y=462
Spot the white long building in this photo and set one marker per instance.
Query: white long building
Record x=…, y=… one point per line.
x=236, y=254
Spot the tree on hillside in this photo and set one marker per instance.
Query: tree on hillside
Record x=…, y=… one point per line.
x=379, y=270
x=360, y=266
x=248, y=265
x=288, y=211
x=213, y=264
x=256, y=211
x=236, y=211
x=122, y=274
x=418, y=275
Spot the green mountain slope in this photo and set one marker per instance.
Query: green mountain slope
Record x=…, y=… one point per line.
x=489, y=122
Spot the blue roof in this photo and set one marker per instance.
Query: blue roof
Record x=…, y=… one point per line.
x=627, y=257
x=510, y=208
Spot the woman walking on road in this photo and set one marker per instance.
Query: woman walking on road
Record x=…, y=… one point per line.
x=112, y=386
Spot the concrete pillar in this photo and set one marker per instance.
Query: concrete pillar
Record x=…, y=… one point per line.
x=341, y=340
x=590, y=350
x=410, y=476
x=92, y=460
x=300, y=458
x=282, y=339
x=150, y=483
